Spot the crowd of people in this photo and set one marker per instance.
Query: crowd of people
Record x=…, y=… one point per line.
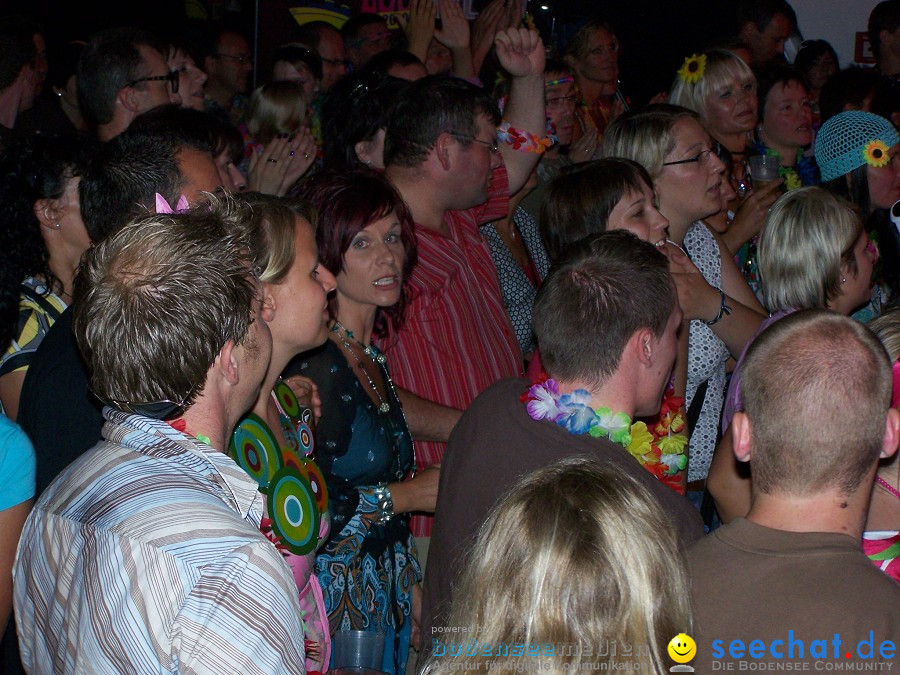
x=435, y=336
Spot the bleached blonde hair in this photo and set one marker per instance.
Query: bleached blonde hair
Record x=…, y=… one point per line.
x=575, y=556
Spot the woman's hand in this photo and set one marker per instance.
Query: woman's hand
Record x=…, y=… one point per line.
x=281, y=163
x=698, y=299
x=750, y=216
x=307, y=393
x=419, y=28
x=484, y=28
x=418, y=494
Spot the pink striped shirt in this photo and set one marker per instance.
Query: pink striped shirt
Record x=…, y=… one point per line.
x=457, y=339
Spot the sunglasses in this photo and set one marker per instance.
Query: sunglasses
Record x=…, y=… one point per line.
x=171, y=77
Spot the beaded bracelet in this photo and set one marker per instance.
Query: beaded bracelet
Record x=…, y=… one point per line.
x=523, y=141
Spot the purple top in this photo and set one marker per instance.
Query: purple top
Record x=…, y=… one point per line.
x=733, y=401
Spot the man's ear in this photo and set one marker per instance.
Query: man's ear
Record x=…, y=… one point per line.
x=741, y=434
x=442, y=149
x=128, y=99
x=642, y=343
x=229, y=363
x=48, y=213
x=891, y=433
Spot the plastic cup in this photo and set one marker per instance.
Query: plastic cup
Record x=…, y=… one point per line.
x=763, y=169
x=358, y=649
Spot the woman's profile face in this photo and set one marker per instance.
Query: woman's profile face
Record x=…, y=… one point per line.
x=884, y=182
x=856, y=288
x=372, y=272
x=689, y=185
x=301, y=308
x=732, y=108
x=637, y=213
x=190, y=79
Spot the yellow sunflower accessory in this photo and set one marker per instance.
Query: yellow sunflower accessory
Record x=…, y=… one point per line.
x=876, y=153
x=693, y=68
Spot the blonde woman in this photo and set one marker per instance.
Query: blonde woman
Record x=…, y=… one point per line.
x=575, y=556
x=813, y=253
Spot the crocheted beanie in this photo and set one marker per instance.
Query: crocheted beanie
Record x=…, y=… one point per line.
x=842, y=139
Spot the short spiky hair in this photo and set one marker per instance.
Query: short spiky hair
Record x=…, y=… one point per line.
x=607, y=287
x=801, y=380
x=156, y=302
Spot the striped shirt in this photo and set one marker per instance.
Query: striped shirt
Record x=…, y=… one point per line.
x=145, y=555
x=457, y=339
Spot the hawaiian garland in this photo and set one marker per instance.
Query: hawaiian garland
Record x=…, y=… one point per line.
x=660, y=450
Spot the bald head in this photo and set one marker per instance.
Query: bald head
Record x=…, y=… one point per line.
x=816, y=388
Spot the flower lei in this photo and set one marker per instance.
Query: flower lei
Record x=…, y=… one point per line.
x=660, y=450
x=523, y=141
x=691, y=71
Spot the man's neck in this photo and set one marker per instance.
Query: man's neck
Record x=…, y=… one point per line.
x=212, y=421
x=108, y=131
x=829, y=511
x=423, y=198
x=611, y=394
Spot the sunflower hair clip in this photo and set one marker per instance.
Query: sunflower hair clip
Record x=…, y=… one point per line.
x=691, y=71
x=876, y=153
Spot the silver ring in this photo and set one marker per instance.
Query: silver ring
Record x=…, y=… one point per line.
x=274, y=161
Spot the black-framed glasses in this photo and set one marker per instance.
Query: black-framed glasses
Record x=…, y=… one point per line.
x=242, y=59
x=171, y=77
x=490, y=145
x=701, y=157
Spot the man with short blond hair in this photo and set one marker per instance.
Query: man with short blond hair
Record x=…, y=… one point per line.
x=790, y=583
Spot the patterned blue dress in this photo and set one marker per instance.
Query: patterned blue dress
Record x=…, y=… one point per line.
x=367, y=571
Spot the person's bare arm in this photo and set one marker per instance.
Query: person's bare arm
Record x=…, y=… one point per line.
x=12, y=520
x=729, y=481
x=428, y=421
x=418, y=494
x=419, y=28
x=10, y=391
x=521, y=53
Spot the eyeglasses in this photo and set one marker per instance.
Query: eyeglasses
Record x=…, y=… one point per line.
x=171, y=77
x=490, y=145
x=560, y=102
x=243, y=59
x=701, y=157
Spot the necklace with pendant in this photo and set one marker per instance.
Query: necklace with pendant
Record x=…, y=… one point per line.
x=377, y=358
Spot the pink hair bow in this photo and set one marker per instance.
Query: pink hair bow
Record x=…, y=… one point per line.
x=162, y=206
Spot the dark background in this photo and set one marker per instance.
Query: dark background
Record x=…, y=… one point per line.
x=655, y=35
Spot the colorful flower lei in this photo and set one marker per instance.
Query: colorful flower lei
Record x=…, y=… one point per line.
x=661, y=450
x=876, y=153
x=691, y=71
x=523, y=141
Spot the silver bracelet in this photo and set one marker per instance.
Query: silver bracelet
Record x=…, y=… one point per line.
x=385, y=503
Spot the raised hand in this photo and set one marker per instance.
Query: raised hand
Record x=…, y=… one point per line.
x=520, y=51
x=484, y=28
x=281, y=163
x=419, y=28
x=454, y=32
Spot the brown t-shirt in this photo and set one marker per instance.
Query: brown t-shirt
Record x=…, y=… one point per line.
x=494, y=444
x=772, y=590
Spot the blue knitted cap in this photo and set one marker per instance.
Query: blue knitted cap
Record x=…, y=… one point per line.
x=842, y=139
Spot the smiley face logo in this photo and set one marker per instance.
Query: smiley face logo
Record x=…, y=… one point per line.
x=682, y=648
